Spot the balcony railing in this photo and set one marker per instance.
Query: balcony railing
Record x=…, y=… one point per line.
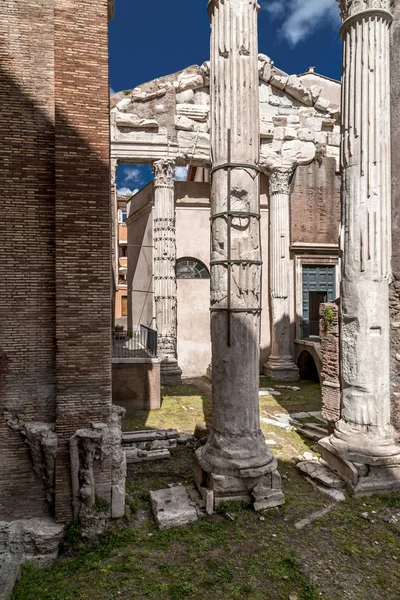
x=135, y=344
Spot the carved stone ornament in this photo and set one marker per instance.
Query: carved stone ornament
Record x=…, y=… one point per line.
x=348, y=8
x=164, y=171
x=279, y=181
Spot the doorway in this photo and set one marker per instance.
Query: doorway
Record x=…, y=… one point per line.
x=318, y=287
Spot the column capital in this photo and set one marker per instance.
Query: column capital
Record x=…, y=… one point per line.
x=351, y=8
x=164, y=171
x=279, y=181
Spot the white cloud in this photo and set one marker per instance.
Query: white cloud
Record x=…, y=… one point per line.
x=181, y=173
x=111, y=91
x=303, y=17
x=275, y=8
x=125, y=191
x=133, y=175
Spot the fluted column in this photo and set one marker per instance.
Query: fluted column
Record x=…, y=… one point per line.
x=364, y=434
x=280, y=365
x=165, y=289
x=236, y=448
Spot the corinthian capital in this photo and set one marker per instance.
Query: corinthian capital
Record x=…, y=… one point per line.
x=279, y=181
x=349, y=8
x=164, y=170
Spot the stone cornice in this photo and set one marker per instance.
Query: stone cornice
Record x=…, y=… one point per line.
x=164, y=171
x=350, y=8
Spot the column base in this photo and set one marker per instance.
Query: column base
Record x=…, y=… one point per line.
x=227, y=470
x=171, y=373
x=363, y=474
x=281, y=369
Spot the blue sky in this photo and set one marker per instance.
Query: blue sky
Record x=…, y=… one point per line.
x=152, y=38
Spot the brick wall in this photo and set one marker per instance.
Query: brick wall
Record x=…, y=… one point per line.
x=83, y=227
x=315, y=204
x=395, y=287
x=27, y=285
x=330, y=374
x=55, y=302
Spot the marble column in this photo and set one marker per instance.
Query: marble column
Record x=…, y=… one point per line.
x=235, y=462
x=363, y=439
x=280, y=365
x=165, y=290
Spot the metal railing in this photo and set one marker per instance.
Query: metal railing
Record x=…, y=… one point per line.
x=135, y=344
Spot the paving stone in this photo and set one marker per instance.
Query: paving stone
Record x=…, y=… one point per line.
x=172, y=507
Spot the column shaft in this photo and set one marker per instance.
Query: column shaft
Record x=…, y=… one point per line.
x=364, y=434
x=165, y=289
x=236, y=447
x=280, y=365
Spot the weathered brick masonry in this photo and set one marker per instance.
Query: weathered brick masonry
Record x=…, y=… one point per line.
x=395, y=287
x=330, y=375
x=55, y=302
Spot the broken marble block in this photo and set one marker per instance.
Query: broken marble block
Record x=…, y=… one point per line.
x=173, y=507
x=321, y=474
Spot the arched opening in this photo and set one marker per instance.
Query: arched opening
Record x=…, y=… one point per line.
x=307, y=367
x=191, y=268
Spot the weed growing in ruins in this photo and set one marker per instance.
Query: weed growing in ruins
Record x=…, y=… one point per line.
x=329, y=315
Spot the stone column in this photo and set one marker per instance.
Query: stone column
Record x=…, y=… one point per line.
x=395, y=285
x=165, y=290
x=280, y=365
x=235, y=462
x=363, y=437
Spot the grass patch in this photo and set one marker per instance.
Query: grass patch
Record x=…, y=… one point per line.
x=341, y=556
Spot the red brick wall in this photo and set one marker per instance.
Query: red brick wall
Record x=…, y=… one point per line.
x=315, y=204
x=83, y=227
x=27, y=286
x=55, y=306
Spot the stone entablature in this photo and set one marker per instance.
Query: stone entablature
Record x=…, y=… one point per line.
x=170, y=118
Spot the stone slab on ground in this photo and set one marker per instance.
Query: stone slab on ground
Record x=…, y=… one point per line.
x=149, y=435
x=314, y=516
x=135, y=456
x=321, y=474
x=173, y=507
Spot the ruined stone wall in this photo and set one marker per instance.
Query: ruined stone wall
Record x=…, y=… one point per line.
x=27, y=283
x=315, y=203
x=395, y=287
x=55, y=303
x=330, y=375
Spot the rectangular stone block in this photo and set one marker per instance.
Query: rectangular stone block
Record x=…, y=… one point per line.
x=172, y=507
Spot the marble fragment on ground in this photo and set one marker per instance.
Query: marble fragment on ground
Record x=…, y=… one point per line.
x=173, y=507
